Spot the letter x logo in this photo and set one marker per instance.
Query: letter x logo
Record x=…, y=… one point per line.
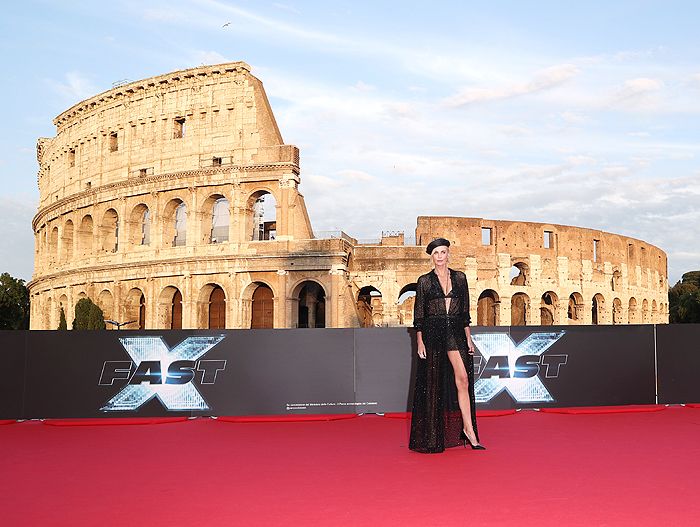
x=523, y=390
x=173, y=396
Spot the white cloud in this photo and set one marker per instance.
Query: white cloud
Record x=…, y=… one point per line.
x=542, y=80
x=208, y=57
x=356, y=175
x=74, y=87
x=363, y=87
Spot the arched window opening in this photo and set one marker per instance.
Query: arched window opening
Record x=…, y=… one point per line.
x=264, y=216
x=519, y=307
x=519, y=274
x=616, y=281
x=109, y=231
x=135, y=310
x=406, y=302
x=575, y=308
x=180, y=238
x=598, y=309
x=85, y=235
x=53, y=244
x=106, y=303
x=139, y=225
x=548, y=309
x=632, y=312
x=220, y=221
x=487, y=308
x=617, y=311
x=67, y=241
x=369, y=307
x=263, y=310
x=311, y=312
x=217, y=308
x=169, y=309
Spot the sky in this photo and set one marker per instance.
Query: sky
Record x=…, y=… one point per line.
x=574, y=113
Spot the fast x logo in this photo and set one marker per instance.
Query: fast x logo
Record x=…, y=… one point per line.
x=156, y=371
x=515, y=368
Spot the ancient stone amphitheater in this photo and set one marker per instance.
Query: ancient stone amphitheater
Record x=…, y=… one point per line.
x=173, y=202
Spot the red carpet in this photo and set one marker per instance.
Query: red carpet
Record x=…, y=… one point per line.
x=540, y=469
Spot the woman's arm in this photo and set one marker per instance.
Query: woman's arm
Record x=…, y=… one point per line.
x=418, y=315
x=466, y=317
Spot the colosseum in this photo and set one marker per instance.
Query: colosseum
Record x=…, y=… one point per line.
x=173, y=202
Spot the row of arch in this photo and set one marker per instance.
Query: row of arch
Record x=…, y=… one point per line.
x=489, y=303
x=210, y=307
x=488, y=309
x=87, y=236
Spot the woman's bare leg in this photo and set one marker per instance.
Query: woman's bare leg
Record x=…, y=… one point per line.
x=462, y=382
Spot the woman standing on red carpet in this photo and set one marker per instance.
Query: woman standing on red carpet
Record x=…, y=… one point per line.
x=444, y=413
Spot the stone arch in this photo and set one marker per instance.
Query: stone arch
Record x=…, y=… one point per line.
x=85, y=235
x=519, y=309
x=406, y=303
x=135, y=309
x=575, y=308
x=598, y=309
x=169, y=308
x=370, y=307
x=53, y=244
x=616, y=280
x=105, y=301
x=654, y=312
x=175, y=223
x=549, y=309
x=519, y=273
x=109, y=231
x=262, y=307
x=617, y=311
x=216, y=219
x=261, y=215
x=309, y=305
x=140, y=225
x=48, y=313
x=488, y=308
x=632, y=311
x=645, y=311
x=212, y=307
x=67, y=311
x=67, y=241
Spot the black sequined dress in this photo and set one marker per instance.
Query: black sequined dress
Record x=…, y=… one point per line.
x=436, y=421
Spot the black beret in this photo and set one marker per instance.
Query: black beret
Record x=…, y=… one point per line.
x=437, y=242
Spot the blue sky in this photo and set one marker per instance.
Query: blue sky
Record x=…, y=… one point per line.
x=579, y=113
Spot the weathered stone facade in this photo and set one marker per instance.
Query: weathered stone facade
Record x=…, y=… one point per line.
x=150, y=200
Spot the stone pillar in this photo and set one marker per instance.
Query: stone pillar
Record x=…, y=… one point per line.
x=280, y=301
x=189, y=304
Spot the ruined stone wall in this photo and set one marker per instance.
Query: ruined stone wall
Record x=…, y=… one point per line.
x=559, y=279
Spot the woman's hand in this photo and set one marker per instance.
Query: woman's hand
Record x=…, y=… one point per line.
x=470, y=346
x=421, y=349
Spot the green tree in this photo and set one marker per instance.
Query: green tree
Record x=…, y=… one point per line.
x=88, y=315
x=14, y=303
x=62, y=324
x=684, y=299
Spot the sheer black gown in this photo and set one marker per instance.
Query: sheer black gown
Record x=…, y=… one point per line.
x=436, y=421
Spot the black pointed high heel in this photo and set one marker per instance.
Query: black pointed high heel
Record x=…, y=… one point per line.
x=463, y=435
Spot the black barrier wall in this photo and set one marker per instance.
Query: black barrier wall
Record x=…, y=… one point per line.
x=51, y=374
